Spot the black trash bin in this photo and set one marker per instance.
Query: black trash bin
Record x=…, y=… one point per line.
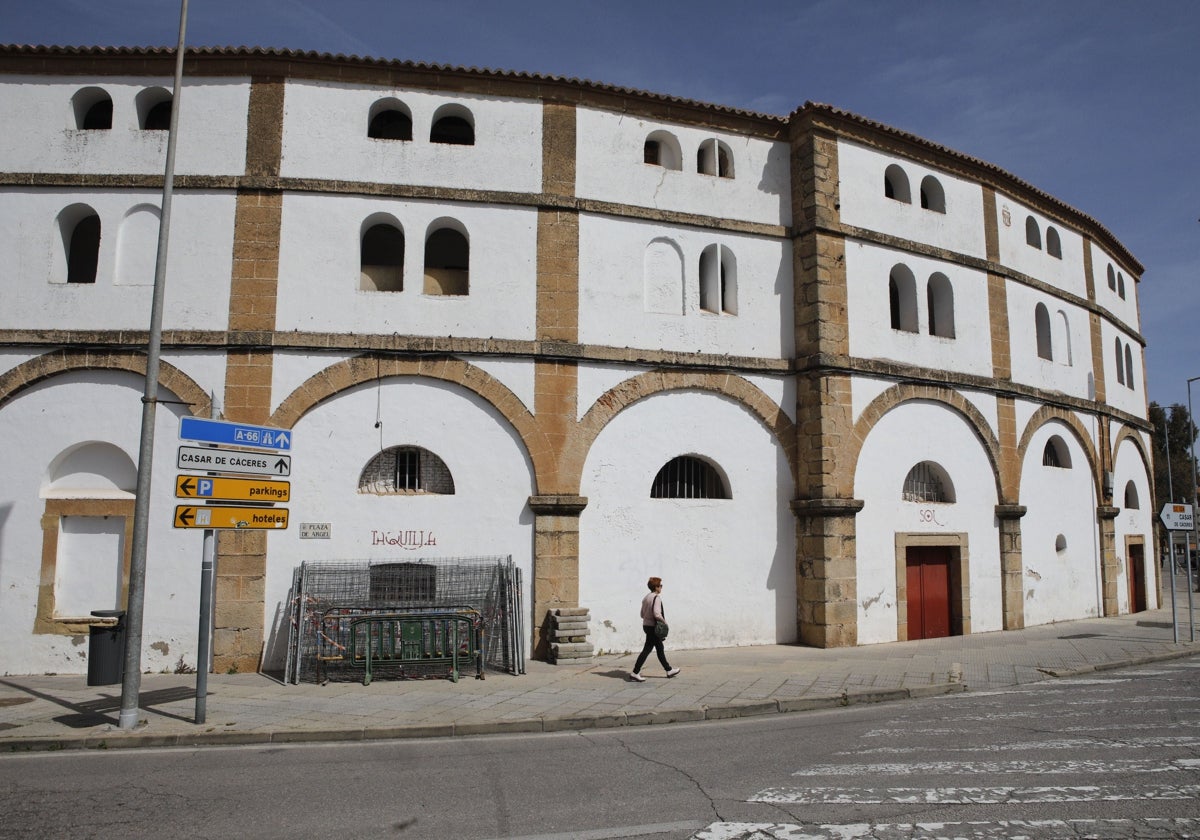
x=106, y=649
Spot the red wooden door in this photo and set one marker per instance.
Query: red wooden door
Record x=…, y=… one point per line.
x=1137, y=578
x=928, y=572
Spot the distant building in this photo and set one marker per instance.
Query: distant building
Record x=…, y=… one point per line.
x=836, y=384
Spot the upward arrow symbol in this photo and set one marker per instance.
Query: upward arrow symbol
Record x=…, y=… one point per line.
x=281, y=466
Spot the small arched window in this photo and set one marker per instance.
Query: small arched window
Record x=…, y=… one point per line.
x=1053, y=243
x=902, y=299
x=662, y=277
x=1041, y=323
x=1033, y=234
x=933, y=197
x=688, y=477
x=1128, y=366
x=1120, y=360
x=714, y=158
x=1112, y=278
x=1063, y=340
x=718, y=280
x=895, y=184
x=381, y=259
x=453, y=125
x=407, y=470
x=93, y=109
x=1056, y=453
x=1121, y=285
x=390, y=120
x=940, y=294
x=1131, y=496
x=447, y=262
x=83, y=250
x=662, y=149
x=1060, y=544
x=154, y=109
x=928, y=482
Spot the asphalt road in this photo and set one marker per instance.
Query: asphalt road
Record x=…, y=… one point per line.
x=1112, y=755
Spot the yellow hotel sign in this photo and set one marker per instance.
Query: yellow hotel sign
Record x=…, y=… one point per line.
x=221, y=517
x=206, y=488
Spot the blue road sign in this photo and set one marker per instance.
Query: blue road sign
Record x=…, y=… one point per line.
x=234, y=434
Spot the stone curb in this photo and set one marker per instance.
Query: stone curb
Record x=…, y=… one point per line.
x=1148, y=659
x=573, y=723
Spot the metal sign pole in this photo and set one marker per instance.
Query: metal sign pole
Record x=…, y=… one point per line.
x=208, y=571
x=1171, y=565
x=1187, y=553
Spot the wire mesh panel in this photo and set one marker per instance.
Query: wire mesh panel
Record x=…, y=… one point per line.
x=328, y=597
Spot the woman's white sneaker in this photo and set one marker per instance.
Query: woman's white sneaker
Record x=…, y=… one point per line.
x=636, y=677
x=672, y=672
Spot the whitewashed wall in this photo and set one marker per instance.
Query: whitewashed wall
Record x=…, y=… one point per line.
x=728, y=565
x=1129, y=467
x=868, y=268
x=1066, y=273
x=1124, y=309
x=325, y=136
x=35, y=268
x=613, y=306
x=1059, y=585
x=488, y=513
x=913, y=432
x=863, y=203
x=113, y=416
x=320, y=258
x=212, y=127
x=610, y=166
x=1069, y=326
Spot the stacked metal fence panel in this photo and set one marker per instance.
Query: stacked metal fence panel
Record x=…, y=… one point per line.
x=328, y=596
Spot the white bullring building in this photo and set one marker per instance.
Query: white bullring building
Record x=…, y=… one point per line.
x=836, y=384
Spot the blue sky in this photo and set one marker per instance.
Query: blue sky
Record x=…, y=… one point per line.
x=1094, y=101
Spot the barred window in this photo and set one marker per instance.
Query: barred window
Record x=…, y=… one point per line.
x=928, y=482
x=406, y=470
x=1131, y=496
x=688, y=477
x=1056, y=454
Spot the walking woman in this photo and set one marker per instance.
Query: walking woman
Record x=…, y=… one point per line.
x=652, y=614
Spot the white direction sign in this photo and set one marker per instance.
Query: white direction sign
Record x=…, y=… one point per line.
x=1177, y=517
x=208, y=459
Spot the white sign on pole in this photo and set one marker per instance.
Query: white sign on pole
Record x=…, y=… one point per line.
x=1177, y=517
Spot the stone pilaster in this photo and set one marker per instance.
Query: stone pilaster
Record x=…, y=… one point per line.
x=1012, y=571
x=826, y=571
x=1106, y=516
x=556, y=562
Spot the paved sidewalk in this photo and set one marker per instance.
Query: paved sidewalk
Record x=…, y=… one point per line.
x=62, y=712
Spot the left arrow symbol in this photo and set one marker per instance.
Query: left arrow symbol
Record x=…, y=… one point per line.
x=186, y=487
x=184, y=515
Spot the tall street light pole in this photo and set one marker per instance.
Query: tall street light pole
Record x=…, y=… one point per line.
x=131, y=682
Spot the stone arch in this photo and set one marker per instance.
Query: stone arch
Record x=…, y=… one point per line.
x=1130, y=434
x=1043, y=416
x=896, y=396
x=33, y=371
x=371, y=367
x=615, y=400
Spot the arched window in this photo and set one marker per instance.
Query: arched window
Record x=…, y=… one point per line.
x=93, y=109
x=1033, y=234
x=928, y=482
x=1053, y=243
x=1131, y=496
x=390, y=120
x=933, y=197
x=406, y=470
x=1120, y=360
x=137, y=246
x=1112, y=278
x=453, y=124
x=940, y=294
x=714, y=158
x=447, y=262
x=381, y=259
x=83, y=250
x=895, y=184
x=1056, y=453
x=1128, y=366
x=154, y=109
x=1060, y=543
x=718, y=280
x=1041, y=323
x=902, y=299
x=688, y=477
x=1121, y=285
x=662, y=273
x=1063, y=341
x=662, y=149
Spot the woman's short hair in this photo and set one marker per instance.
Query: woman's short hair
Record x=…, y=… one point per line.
x=654, y=583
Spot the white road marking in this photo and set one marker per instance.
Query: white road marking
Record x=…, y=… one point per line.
x=1002, y=795
x=1181, y=742
x=1156, y=765
x=616, y=833
x=1002, y=830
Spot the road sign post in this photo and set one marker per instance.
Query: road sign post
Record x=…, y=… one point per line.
x=1179, y=518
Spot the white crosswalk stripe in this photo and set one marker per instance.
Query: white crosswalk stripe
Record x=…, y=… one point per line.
x=1152, y=765
x=1000, y=830
x=1001, y=795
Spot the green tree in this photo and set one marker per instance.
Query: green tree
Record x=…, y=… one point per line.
x=1173, y=426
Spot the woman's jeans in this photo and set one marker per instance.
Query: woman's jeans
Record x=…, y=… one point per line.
x=652, y=643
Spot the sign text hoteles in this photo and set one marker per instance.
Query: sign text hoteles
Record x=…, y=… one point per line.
x=1177, y=517
x=202, y=430
x=233, y=461
x=239, y=518
x=210, y=488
